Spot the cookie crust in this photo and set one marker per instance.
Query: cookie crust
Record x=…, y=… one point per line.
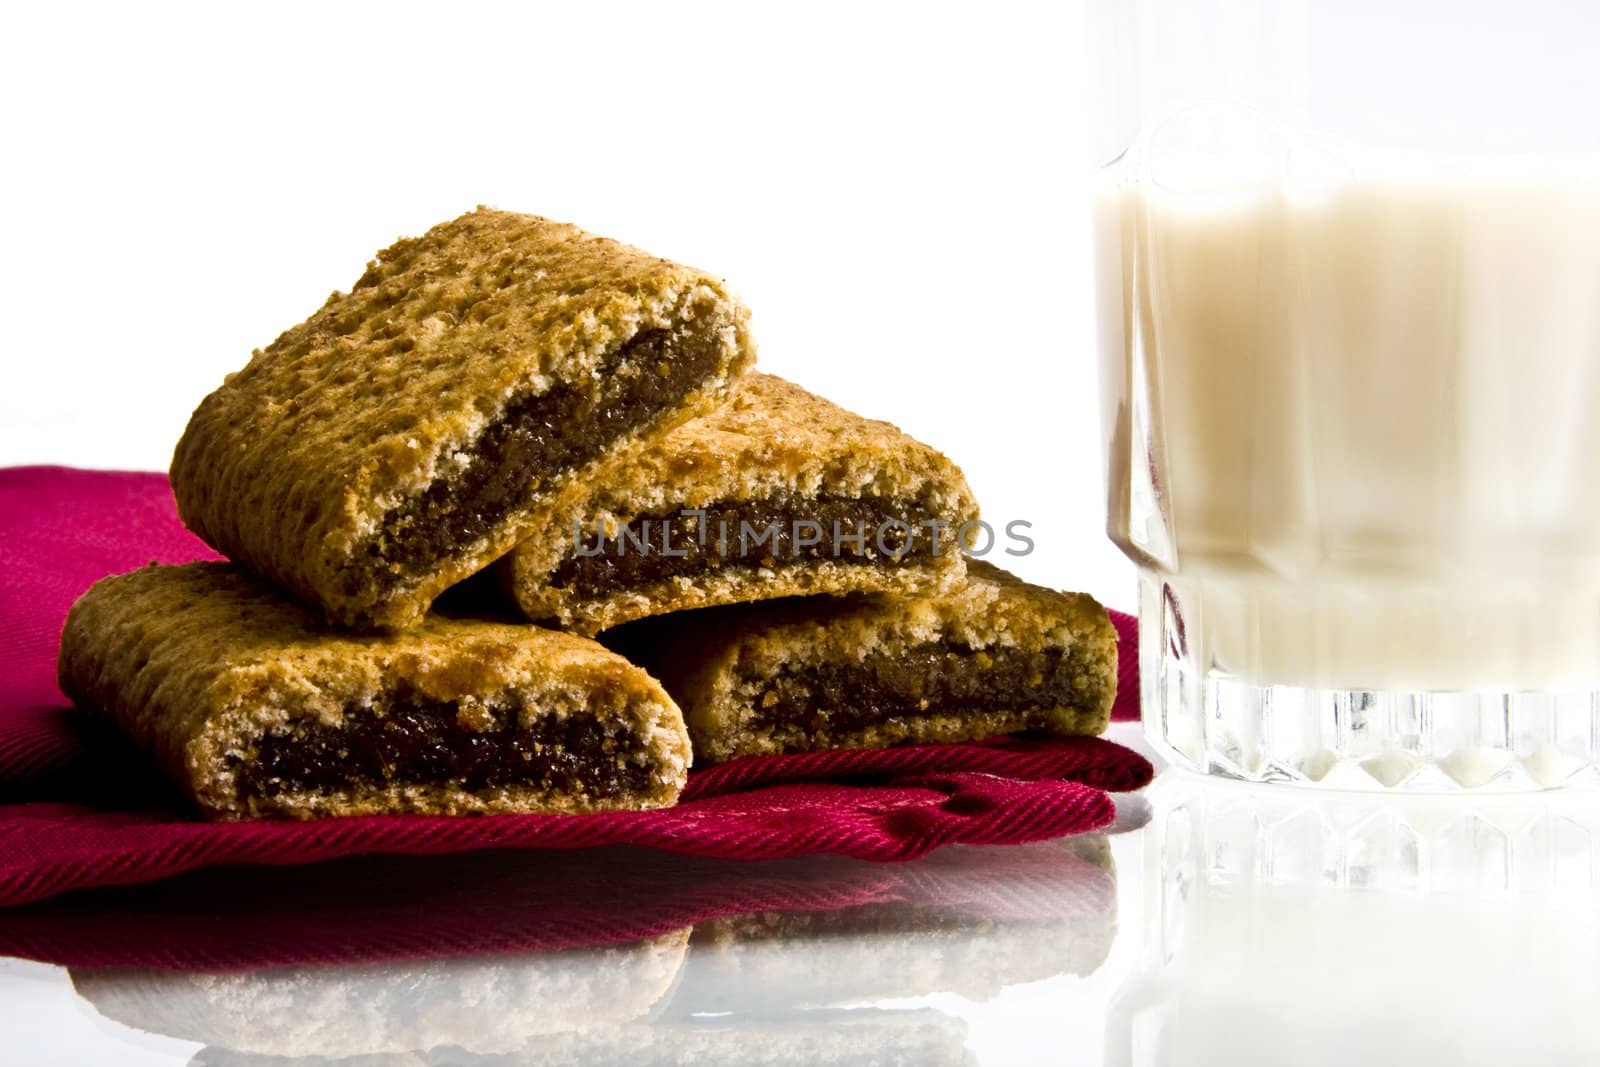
x=726, y=667
x=774, y=448
x=315, y=462
x=202, y=664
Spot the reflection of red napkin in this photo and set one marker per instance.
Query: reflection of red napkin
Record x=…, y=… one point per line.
x=78, y=808
x=379, y=909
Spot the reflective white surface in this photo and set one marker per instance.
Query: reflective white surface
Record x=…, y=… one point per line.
x=1281, y=925
x=1238, y=925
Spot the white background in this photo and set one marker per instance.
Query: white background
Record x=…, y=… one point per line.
x=899, y=191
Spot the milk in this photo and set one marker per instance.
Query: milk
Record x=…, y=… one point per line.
x=1353, y=421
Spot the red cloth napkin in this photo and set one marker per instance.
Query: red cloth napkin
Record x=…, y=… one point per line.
x=80, y=808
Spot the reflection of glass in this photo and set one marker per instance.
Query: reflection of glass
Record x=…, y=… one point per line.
x=804, y=959
x=1349, y=254
x=1290, y=926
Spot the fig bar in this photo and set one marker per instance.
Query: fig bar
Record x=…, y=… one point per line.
x=256, y=708
x=776, y=494
x=995, y=656
x=409, y=432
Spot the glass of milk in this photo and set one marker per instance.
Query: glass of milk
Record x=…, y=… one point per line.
x=1348, y=255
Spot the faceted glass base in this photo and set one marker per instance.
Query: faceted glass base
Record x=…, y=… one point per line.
x=1212, y=722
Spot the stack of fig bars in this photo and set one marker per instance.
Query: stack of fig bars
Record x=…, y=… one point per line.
x=644, y=554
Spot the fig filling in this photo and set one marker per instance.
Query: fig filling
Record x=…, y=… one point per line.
x=425, y=743
x=538, y=438
x=817, y=701
x=777, y=532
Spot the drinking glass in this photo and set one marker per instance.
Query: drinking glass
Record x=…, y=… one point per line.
x=1348, y=262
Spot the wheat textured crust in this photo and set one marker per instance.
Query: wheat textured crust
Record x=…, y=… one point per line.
x=1033, y=658
x=203, y=665
x=303, y=464
x=773, y=440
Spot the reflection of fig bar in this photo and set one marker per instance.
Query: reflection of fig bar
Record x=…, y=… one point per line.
x=411, y=431
x=960, y=920
x=859, y=1037
x=995, y=656
x=488, y=1005
x=779, y=493
x=256, y=708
